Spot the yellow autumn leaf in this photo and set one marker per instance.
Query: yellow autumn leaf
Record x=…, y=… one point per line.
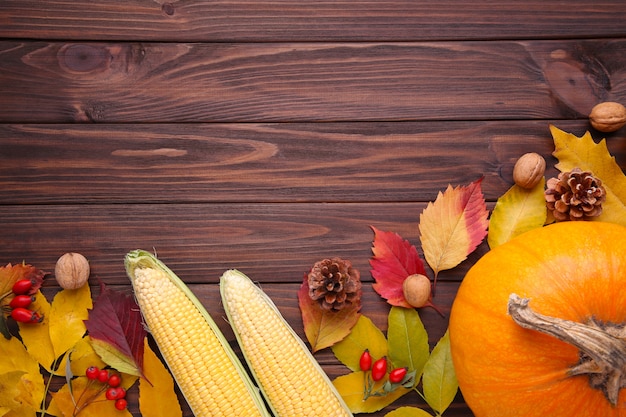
x=157, y=397
x=517, y=211
x=67, y=315
x=15, y=360
x=62, y=327
x=9, y=391
x=364, y=335
x=408, y=412
x=86, y=397
x=83, y=356
x=582, y=152
x=453, y=226
x=351, y=386
x=36, y=336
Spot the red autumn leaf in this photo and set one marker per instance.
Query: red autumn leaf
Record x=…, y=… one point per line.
x=394, y=259
x=324, y=328
x=117, y=331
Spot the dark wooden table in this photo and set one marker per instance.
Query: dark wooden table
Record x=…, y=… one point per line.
x=267, y=135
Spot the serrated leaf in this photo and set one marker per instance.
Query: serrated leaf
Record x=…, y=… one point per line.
x=439, y=378
x=584, y=153
x=407, y=340
x=117, y=332
x=324, y=328
x=453, y=226
x=9, y=275
x=350, y=387
x=394, y=259
x=157, y=397
x=364, y=335
x=517, y=211
x=408, y=412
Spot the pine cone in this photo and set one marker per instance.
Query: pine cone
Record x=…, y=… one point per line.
x=335, y=284
x=575, y=195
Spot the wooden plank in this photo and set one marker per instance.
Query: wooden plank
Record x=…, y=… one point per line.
x=315, y=162
x=273, y=242
x=175, y=82
x=327, y=20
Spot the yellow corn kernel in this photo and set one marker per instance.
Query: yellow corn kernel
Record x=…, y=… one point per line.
x=209, y=374
x=289, y=376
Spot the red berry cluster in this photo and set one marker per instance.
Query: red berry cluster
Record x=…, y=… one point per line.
x=377, y=370
x=22, y=299
x=111, y=384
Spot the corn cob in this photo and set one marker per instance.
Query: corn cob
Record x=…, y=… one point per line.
x=289, y=376
x=209, y=374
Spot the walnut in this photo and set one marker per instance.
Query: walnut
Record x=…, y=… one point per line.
x=72, y=271
x=529, y=170
x=608, y=116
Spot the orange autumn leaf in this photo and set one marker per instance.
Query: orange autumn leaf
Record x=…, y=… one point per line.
x=9, y=275
x=324, y=328
x=453, y=226
x=157, y=397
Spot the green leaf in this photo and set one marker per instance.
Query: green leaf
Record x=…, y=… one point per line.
x=364, y=335
x=114, y=357
x=351, y=388
x=408, y=412
x=517, y=211
x=407, y=340
x=439, y=379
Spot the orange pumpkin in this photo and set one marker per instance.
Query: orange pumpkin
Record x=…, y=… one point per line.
x=555, y=353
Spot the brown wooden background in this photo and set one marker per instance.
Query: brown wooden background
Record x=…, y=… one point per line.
x=267, y=135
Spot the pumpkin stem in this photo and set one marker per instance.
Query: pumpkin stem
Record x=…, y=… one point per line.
x=603, y=355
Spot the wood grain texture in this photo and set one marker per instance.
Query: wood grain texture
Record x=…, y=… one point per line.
x=325, y=20
x=59, y=82
x=267, y=135
x=274, y=242
x=314, y=162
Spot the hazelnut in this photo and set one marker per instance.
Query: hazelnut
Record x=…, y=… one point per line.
x=528, y=170
x=416, y=289
x=608, y=116
x=71, y=271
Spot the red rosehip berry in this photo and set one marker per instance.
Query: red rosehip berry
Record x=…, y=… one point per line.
x=397, y=375
x=365, y=362
x=379, y=369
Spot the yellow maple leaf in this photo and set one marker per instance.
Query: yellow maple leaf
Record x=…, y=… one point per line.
x=21, y=372
x=157, y=397
x=517, y=211
x=584, y=153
